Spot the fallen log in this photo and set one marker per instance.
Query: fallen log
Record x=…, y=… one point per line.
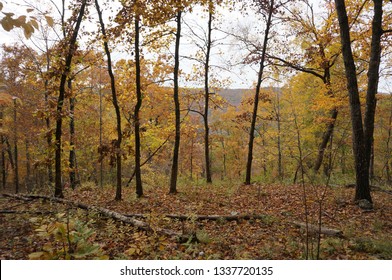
x=105, y=212
x=313, y=229
x=7, y=211
x=205, y=217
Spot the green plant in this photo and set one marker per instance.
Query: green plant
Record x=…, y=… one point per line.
x=381, y=248
x=66, y=238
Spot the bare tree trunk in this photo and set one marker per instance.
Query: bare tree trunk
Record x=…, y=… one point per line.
x=362, y=134
x=2, y=143
x=176, y=149
x=139, y=186
x=206, y=101
x=257, y=94
x=47, y=119
x=279, y=144
x=3, y=170
x=373, y=78
x=16, y=170
x=28, y=182
x=72, y=156
x=115, y=105
x=60, y=102
x=326, y=138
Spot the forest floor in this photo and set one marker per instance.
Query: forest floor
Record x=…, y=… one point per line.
x=45, y=229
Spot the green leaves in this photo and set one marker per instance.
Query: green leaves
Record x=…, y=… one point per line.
x=66, y=238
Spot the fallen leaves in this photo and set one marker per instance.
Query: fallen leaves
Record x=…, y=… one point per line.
x=271, y=237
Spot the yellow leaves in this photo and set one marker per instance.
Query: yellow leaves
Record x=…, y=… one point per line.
x=5, y=99
x=28, y=23
x=49, y=20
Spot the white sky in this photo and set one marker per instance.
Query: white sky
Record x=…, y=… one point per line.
x=242, y=76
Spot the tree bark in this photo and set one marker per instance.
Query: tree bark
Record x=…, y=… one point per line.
x=373, y=78
x=139, y=185
x=257, y=94
x=326, y=138
x=362, y=136
x=176, y=149
x=60, y=102
x=72, y=155
x=115, y=105
x=16, y=170
x=28, y=182
x=2, y=143
x=206, y=101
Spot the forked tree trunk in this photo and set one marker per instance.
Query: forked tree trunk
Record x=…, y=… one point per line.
x=60, y=102
x=362, y=133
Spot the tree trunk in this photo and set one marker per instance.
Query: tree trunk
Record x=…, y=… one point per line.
x=362, y=138
x=115, y=105
x=280, y=154
x=28, y=182
x=72, y=156
x=326, y=138
x=206, y=101
x=2, y=143
x=16, y=170
x=3, y=170
x=47, y=119
x=257, y=94
x=139, y=186
x=176, y=149
x=60, y=102
x=373, y=78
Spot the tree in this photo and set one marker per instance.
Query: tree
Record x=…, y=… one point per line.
x=362, y=130
x=70, y=51
x=115, y=103
x=320, y=56
x=138, y=172
x=267, y=7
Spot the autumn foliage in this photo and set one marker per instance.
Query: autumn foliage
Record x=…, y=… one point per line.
x=99, y=102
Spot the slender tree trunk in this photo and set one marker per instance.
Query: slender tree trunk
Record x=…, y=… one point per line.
x=115, y=105
x=257, y=94
x=60, y=102
x=3, y=170
x=139, y=185
x=191, y=160
x=176, y=150
x=16, y=170
x=2, y=143
x=206, y=101
x=47, y=119
x=280, y=164
x=28, y=181
x=388, y=147
x=72, y=155
x=373, y=78
x=326, y=138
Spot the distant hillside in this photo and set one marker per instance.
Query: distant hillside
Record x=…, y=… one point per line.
x=234, y=96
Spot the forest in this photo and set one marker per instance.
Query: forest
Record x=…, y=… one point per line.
x=196, y=129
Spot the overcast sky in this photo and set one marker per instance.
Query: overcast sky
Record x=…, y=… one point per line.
x=241, y=76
